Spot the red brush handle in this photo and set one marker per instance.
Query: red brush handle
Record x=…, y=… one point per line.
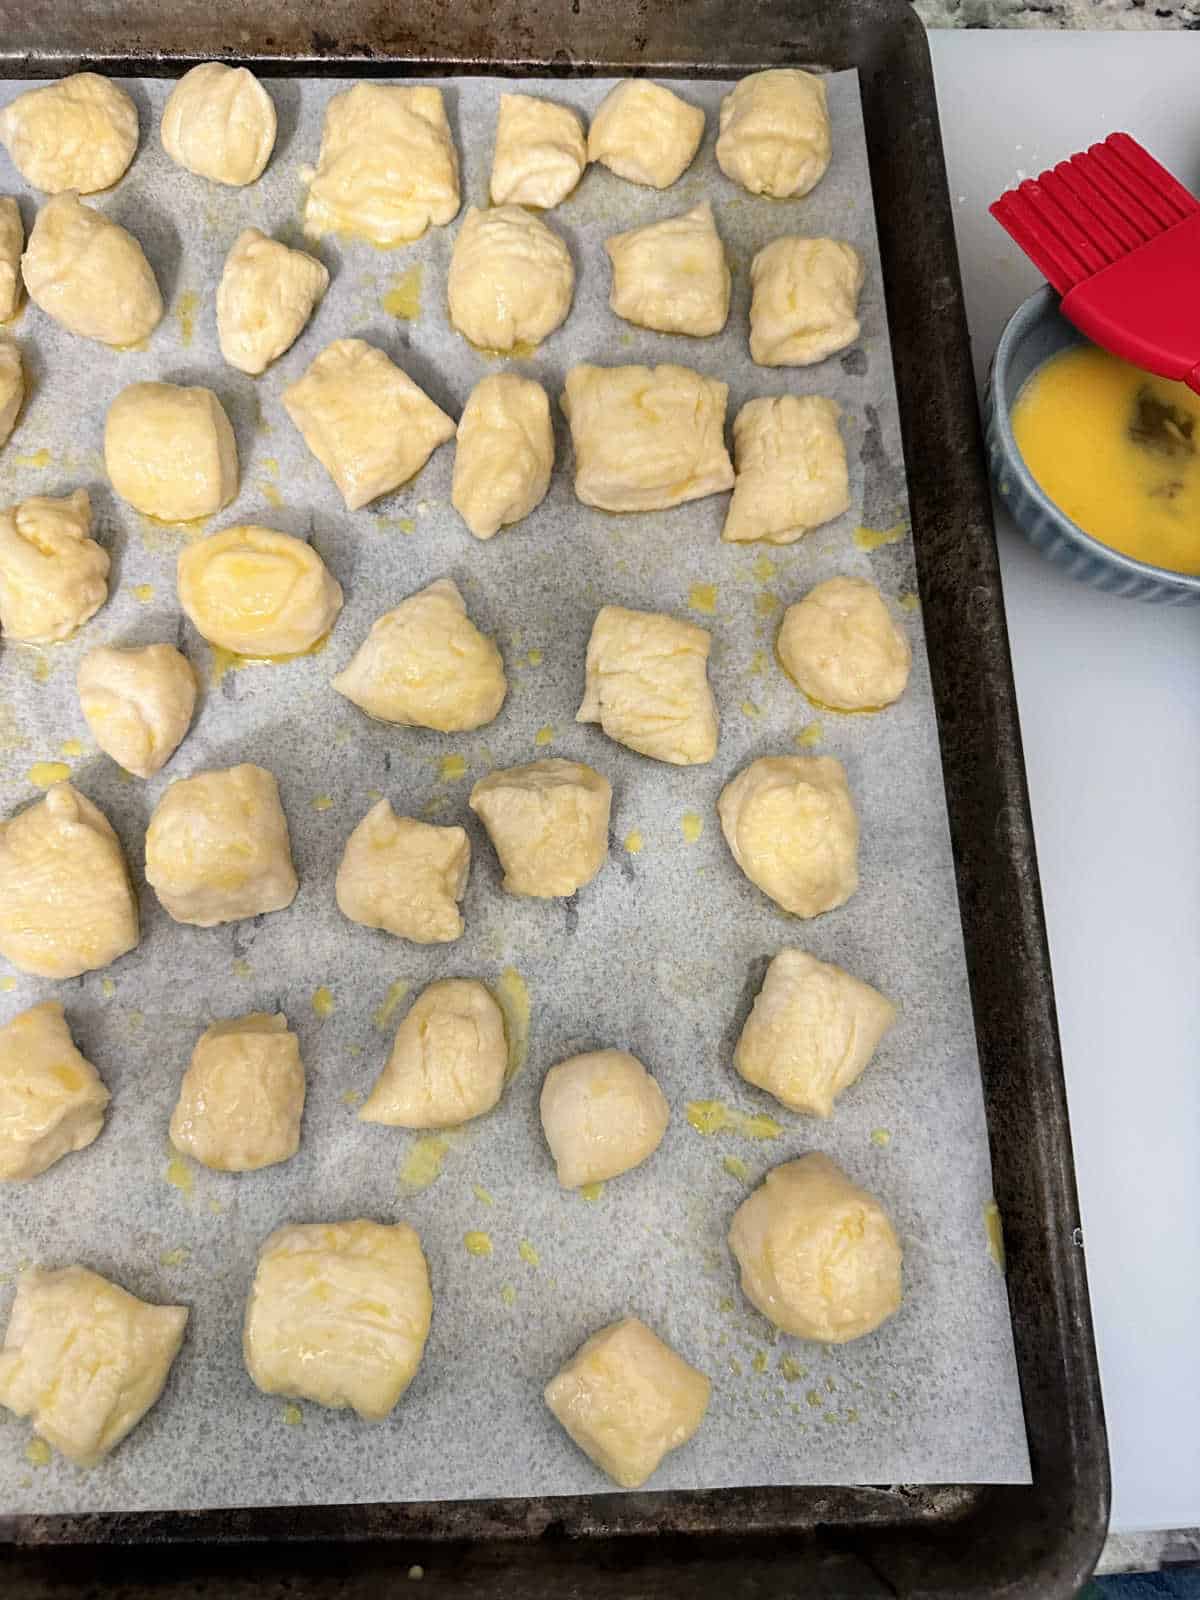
x=1145, y=307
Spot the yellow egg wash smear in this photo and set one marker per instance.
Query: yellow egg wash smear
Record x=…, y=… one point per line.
x=1119, y=451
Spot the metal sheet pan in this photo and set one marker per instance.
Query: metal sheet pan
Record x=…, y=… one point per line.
x=957, y=1540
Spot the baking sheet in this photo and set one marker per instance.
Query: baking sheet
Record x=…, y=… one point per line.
x=661, y=955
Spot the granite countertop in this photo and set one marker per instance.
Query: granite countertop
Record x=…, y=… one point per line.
x=1134, y=14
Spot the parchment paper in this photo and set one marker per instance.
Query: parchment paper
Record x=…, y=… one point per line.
x=662, y=954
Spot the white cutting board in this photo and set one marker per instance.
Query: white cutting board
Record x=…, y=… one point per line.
x=1109, y=694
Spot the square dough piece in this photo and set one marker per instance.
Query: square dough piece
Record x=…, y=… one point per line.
x=791, y=469
x=242, y=1096
x=12, y=242
x=804, y=300
x=645, y=133
x=51, y=1098
x=626, y=1399
x=646, y=438
x=548, y=822
x=339, y=1313
x=504, y=455
x=217, y=848
x=811, y=1033
x=541, y=151
x=368, y=424
x=85, y=1359
x=66, y=904
x=404, y=876
x=647, y=685
x=672, y=276
x=387, y=168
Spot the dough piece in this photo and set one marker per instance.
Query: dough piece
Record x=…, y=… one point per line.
x=541, y=151
x=52, y=576
x=138, y=703
x=647, y=685
x=504, y=455
x=548, y=823
x=775, y=136
x=368, y=424
x=12, y=388
x=426, y=665
x=12, y=242
x=791, y=469
x=257, y=592
x=387, y=168
x=602, y=1114
x=90, y=275
x=51, y=1098
x=793, y=830
x=804, y=300
x=66, y=905
x=448, y=1062
x=219, y=122
x=170, y=451
x=818, y=1256
x=811, y=1033
x=339, y=1313
x=77, y=133
x=85, y=1359
x=510, y=281
x=242, y=1096
x=627, y=1399
x=217, y=848
x=404, y=876
x=646, y=438
x=842, y=648
x=266, y=295
x=645, y=133
x=672, y=276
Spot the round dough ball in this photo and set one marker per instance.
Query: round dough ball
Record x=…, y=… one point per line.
x=170, y=451
x=404, y=876
x=242, y=1096
x=426, y=665
x=78, y=133
x=219, y=122
x=266, y=295
x=504, y=455
x=602, y=1114
x=541, y=152
x=448, y=1063
x=308, y=1332
x=627, y=1399
x=257, y=592
x=811, y=1033
x=793, y=830
x=66, y=905
x=90, y=275
x=511, y=279
x=85, y=1359
x=51, y=1099
x=775, y=137
x=12, y=388
x=841, y=646
x=52, y=576
x=645, y=133
x=818, y=1256
x=548, y=822
x=138, y=703
x=217, y=848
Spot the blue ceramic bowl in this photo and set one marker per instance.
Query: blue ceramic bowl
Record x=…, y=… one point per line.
x=1035, y=332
